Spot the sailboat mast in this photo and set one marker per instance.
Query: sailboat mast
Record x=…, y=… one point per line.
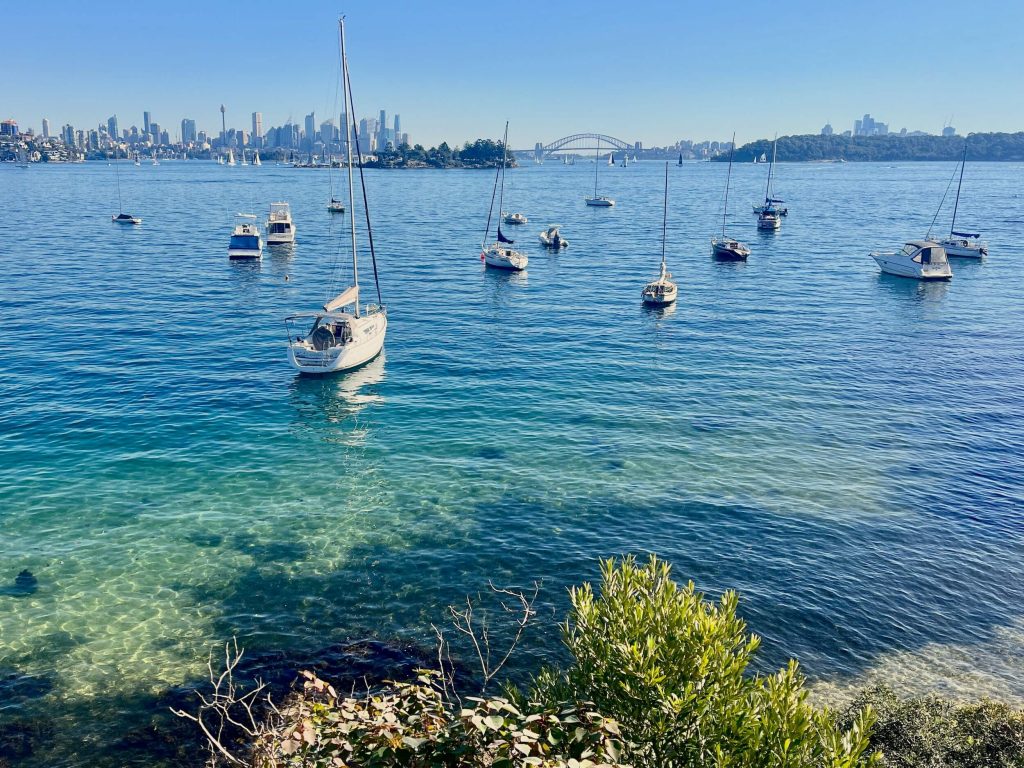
x=771, y=165
x=956, y=205
x=117, y=175
x=664, y=222
x=597, y=164
x=504, y=157
x=728, y=178
x=348, y=144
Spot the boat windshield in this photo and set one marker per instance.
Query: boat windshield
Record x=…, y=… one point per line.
x=909, y=249
x=277, y=227
x=246, y=242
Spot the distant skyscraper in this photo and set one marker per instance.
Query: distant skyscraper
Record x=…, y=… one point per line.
x=827, y=130
x=188, y=131
x=328, y=134
x=8, y=128
x=112, y=127
x=46, y=128
x=154, y=129
x=145, y=122
x=398, y=129
x=310, y=129
x=223, y=127
x=257, y=125
x=949, y=130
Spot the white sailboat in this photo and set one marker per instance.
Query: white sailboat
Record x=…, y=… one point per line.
x=662, y=290
x=769, y=215
x=338, y=339
x=599, y=201
x=727, y=248
x=231, y=157
x=965, y=245
x=122, y=217
x=256, y=159
x=501, y=254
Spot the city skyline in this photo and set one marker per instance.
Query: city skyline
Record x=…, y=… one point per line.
x=659, y=77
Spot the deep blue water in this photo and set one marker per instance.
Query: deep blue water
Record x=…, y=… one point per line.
x=843, y=448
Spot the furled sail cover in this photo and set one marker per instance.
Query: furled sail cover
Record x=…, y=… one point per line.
x=349, y=296
x=502, y=238
x=966, y=234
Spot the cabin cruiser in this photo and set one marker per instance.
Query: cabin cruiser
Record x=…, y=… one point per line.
x=769, y=220
x=550, y=238
x=964, y=245
x=920, y=259
x=503, y=256
x=126, y=218
x=514, y=218
x=336, y=339
x=246, y=242
x=600, y=201
x=727, y=249
x=280, y=228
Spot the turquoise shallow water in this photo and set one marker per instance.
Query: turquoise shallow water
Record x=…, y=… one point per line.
x=844, y=448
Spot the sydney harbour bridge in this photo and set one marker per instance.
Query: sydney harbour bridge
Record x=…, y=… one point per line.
x=582, y=142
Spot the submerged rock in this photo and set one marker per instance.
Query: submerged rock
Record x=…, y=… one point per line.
x=24, y=584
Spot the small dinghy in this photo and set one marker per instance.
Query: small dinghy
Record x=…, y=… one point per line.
x=551, y=238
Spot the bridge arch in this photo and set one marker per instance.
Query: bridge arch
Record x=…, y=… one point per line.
x=581, y=142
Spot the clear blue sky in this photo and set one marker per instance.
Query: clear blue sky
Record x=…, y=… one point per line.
x=648, y=71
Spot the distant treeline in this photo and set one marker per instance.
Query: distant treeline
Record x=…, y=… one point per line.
x=482, y=153
x=980, y=146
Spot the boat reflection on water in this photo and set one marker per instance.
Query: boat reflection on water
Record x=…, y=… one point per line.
x=919, y=291
x=329, y=405
x=658, y=313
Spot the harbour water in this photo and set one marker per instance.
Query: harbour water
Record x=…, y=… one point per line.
x=843, y=448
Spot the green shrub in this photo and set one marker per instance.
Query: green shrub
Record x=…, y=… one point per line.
x=410, y=724
x=937, y=733
x=672, y=669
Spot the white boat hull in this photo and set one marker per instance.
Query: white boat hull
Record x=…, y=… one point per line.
x=281, y=238
x=969, y=251
x=660, y=300
x=729, y=250
x=600, y=202
x=897, y=264
x=505, y=259
x=367, y=342
x=245, y=253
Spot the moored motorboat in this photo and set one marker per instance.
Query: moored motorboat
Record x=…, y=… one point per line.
x=514, y=218
x=280, y=227
x=246, y=241
x=552, y=238
x=920, y=259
